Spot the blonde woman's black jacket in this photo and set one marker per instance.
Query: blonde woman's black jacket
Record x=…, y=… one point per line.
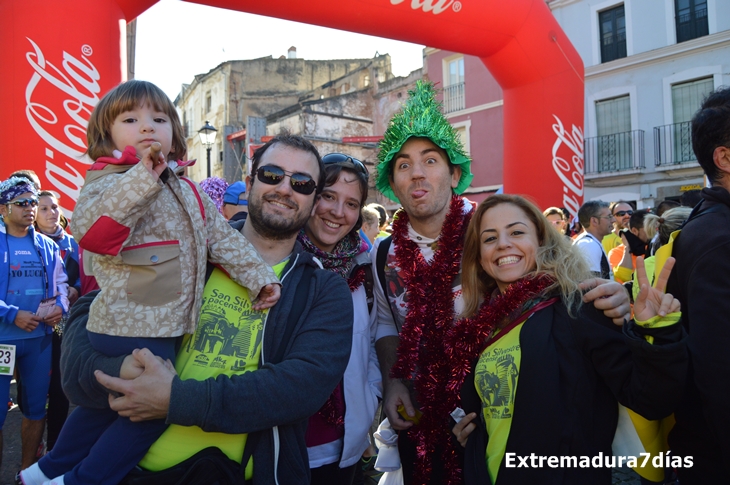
x=573, y=374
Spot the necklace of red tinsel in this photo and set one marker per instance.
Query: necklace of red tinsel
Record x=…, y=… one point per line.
x=430, y=316
x=357, y=278
x=468, y=338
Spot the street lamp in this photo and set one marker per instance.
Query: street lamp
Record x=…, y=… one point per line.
x=207, y=138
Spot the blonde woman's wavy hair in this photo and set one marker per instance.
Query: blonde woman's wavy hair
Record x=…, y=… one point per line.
x=555, y=257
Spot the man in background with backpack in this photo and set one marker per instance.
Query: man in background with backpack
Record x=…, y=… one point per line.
x=700, y=282
x=245, y=377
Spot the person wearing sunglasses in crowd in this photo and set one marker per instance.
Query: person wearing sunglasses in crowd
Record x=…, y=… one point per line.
x=272, y=371
x=337, y=434
x=621, y=211
x=34, y=294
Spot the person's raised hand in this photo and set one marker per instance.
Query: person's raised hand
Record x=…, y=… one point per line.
x=268, y=296
x=653, y=301
x=154, y=160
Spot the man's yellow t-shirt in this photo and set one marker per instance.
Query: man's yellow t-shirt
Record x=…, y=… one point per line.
x=610, y=241
x=227, y=342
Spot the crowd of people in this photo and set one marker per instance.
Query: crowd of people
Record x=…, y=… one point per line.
x=248, y=333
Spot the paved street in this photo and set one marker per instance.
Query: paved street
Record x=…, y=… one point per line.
x=11, y=448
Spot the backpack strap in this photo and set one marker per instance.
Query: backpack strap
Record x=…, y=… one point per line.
x=201, y=207
x=369, y=285
x=380, y=259
x=363, y=261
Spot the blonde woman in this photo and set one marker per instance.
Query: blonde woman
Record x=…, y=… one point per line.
x=546, y=373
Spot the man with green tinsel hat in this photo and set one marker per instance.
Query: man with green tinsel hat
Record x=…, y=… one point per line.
x=423, y=165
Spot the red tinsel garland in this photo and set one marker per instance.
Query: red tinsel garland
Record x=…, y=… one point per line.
x=430, y=316
x=356, y=279
x=468, y=338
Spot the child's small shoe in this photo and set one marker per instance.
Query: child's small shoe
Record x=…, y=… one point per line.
x=33, y=476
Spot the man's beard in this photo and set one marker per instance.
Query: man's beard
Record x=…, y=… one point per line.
x=274, y=226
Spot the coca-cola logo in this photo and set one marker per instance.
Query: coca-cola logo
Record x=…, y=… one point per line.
x=65, y=138
x=569, y=173
x=435, y=6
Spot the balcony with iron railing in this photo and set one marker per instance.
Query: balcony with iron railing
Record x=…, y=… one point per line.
x=619, y=152
x=454, y=99
x=673, y=144
x=691, y=26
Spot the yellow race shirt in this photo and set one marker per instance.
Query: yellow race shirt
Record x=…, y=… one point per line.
x=226, y=342
x=495, y=377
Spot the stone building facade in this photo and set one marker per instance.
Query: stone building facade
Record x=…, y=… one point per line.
x=324, y=100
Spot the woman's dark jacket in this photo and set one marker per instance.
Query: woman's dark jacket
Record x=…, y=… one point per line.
x=573, y=374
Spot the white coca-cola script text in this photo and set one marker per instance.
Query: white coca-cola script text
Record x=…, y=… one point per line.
x=569, y=146
x=65, y=141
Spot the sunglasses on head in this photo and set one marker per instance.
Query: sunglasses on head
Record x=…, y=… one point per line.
x=345, y=160
x=31, y=201
x=623, y=213
x=273, y=175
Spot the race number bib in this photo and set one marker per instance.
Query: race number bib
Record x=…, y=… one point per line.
x=7, y=360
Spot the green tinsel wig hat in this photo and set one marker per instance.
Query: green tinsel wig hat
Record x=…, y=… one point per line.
x=421, y=117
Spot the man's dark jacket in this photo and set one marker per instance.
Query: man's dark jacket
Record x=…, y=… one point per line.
x=276, y=398
x=700, y=281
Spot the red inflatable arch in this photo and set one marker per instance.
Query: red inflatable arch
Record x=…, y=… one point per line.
x=60, y=57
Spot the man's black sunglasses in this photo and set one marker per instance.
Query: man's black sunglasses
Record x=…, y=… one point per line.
x=273, y=175
x=623, y=213
x=345, y=161
x=31, y=201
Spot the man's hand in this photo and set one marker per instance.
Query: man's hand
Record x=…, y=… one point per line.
x=651, y=302
x=608, y=296
x=26, y=320
x=627, y=261
x=54, y=318
x=73, y=295
x=268, y=297
x=145, y=397
x=397, y=394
